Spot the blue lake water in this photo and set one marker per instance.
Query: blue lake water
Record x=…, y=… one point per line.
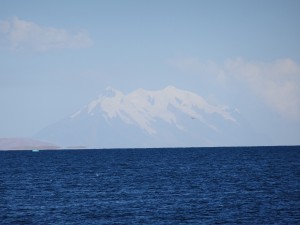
x=258, y=185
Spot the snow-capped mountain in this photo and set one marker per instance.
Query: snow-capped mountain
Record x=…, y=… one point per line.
x=143, y=107
x=170, y=117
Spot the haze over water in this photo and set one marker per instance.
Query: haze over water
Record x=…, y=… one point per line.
x=190, y=72
x=241, y=56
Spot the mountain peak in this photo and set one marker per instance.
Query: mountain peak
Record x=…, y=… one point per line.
x=110, y=92
x=143, y=107
x=150, y=118
x=170, y=88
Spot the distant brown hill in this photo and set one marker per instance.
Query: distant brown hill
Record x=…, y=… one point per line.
x=24, y=144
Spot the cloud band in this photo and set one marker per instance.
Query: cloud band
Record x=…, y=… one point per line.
x=25, y=35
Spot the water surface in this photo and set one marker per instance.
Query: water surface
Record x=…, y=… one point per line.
x=258, y=185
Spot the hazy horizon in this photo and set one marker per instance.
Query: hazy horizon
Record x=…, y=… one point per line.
x=57, y=56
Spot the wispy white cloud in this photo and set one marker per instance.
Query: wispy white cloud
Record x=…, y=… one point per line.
x=277, y=82
x=25, y=35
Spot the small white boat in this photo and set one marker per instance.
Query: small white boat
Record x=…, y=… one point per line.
x=35, y=150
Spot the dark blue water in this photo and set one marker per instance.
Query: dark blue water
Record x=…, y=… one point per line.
x=151, y=186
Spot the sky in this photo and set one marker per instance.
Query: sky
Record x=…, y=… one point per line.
x=56, y=56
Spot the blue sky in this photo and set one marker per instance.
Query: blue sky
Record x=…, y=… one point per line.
x=55, y=56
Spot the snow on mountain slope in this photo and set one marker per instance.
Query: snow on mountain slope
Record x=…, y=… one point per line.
x=143, y=107
x=169, y=117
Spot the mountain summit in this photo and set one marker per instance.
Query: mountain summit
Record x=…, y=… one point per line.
x=143, y=108
x=170, y=117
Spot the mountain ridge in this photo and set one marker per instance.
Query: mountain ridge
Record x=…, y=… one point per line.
x=169, y=117
x=141, y=106
x=25, y=144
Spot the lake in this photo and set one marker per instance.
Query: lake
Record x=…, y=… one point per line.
x=232, y=185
